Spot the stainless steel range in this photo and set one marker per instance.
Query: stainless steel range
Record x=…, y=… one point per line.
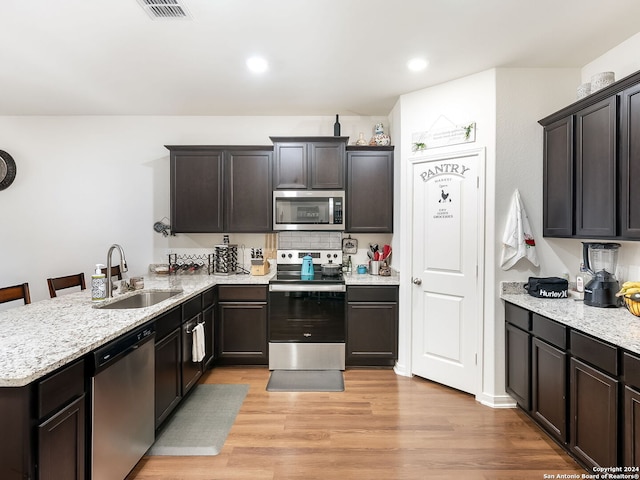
x=307, y=313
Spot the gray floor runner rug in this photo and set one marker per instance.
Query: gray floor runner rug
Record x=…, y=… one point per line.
x=306, y=381
x=202, y=422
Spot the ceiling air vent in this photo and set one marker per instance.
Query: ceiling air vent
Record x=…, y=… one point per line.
x=164, y=9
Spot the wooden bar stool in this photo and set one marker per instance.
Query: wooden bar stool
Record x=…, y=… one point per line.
x=115, y=272
x=69, y=281
x=16, y=292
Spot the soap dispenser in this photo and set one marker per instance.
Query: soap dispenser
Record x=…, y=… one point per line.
x=98, y=284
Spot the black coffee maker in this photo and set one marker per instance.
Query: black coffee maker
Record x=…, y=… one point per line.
x=600, y=261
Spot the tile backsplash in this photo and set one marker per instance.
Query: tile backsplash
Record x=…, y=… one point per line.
x=310, y=240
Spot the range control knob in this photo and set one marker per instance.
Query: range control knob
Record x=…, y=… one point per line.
x=283, y=255
x=290, y=256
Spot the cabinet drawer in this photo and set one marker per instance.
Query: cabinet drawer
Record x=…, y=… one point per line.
x=517, y=316
x=208, y=298
x=230, y=293
x=192, y=307
x=372, y=294
x=61, y=387
x=631, y=368
x=550, y=331
x=168, y=322
x=597, y=353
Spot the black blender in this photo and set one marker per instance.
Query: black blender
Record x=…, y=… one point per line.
x=600, y=261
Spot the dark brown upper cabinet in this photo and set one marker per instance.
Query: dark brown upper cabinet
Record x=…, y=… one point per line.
x=591, y=158
x=369, y=193
x=596, y=175
x=309, y=162
x=196, y=190
x=248, y=199
x=558, y=204
x=221, y=189
x=630, y=163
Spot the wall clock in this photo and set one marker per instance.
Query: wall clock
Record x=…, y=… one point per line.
x=7, y=170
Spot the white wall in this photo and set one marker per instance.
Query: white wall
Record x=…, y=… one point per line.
x=506, y=105
x=519, y=146
x=466, y=100
x=84, y=183
x=523, y=97
x=622, y=60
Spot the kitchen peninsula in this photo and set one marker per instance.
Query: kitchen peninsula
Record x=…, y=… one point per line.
x=45, y=370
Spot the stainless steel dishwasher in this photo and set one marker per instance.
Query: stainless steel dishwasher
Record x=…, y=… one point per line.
x=122, y=410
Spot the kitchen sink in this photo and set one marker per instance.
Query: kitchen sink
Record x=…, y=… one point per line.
x=141, y=299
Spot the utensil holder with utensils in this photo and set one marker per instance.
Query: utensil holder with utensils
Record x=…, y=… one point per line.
x=379, y=261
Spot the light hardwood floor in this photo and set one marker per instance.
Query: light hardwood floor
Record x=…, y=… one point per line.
x=383, y=426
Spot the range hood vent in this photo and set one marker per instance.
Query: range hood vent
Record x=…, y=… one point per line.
x=164, y=9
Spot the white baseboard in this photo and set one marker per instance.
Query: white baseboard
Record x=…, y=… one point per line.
x=496, y=401
x=402, y=370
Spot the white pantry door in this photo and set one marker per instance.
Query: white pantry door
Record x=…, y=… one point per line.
x=448, y=219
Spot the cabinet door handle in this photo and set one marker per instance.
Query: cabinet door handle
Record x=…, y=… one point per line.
x=417, y=281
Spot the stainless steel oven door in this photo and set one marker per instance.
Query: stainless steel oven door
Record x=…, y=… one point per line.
x=304, y=315
x=306, y=327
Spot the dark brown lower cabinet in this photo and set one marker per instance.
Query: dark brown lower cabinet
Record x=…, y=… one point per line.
x=61, y=405
x=372, y=334
x=168, y=390
x=16, y=454
x=61, y=444
x=372, y=326
x=242, y=334
x=241, y=325
x=585, y=392
x=594, y=415
x=631, y=426
x=549, y=388
x=518, y=365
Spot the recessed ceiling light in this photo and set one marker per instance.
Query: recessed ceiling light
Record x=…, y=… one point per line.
x=257, y=64
x=417, y=64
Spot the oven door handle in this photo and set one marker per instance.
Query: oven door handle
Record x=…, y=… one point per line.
x=292, y=287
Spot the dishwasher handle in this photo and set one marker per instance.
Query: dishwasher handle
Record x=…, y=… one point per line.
x=122, y=346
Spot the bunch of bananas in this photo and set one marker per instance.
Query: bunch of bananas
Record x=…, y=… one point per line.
x=628, y=289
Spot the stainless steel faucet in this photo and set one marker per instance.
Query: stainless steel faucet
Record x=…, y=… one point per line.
x=123, y=266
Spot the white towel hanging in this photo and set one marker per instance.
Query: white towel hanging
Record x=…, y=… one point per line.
x=517, y=240
x=198, y=344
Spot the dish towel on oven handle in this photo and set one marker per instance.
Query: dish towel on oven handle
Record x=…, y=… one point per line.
x=198, y=347
x=517, y=240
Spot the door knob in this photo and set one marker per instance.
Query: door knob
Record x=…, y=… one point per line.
x=417, y=281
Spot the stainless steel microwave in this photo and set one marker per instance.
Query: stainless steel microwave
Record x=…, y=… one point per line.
x=308, y=210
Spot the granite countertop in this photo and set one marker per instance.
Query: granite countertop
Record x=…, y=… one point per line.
x=614, y=325
x=38, y=338
x=366, y=279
